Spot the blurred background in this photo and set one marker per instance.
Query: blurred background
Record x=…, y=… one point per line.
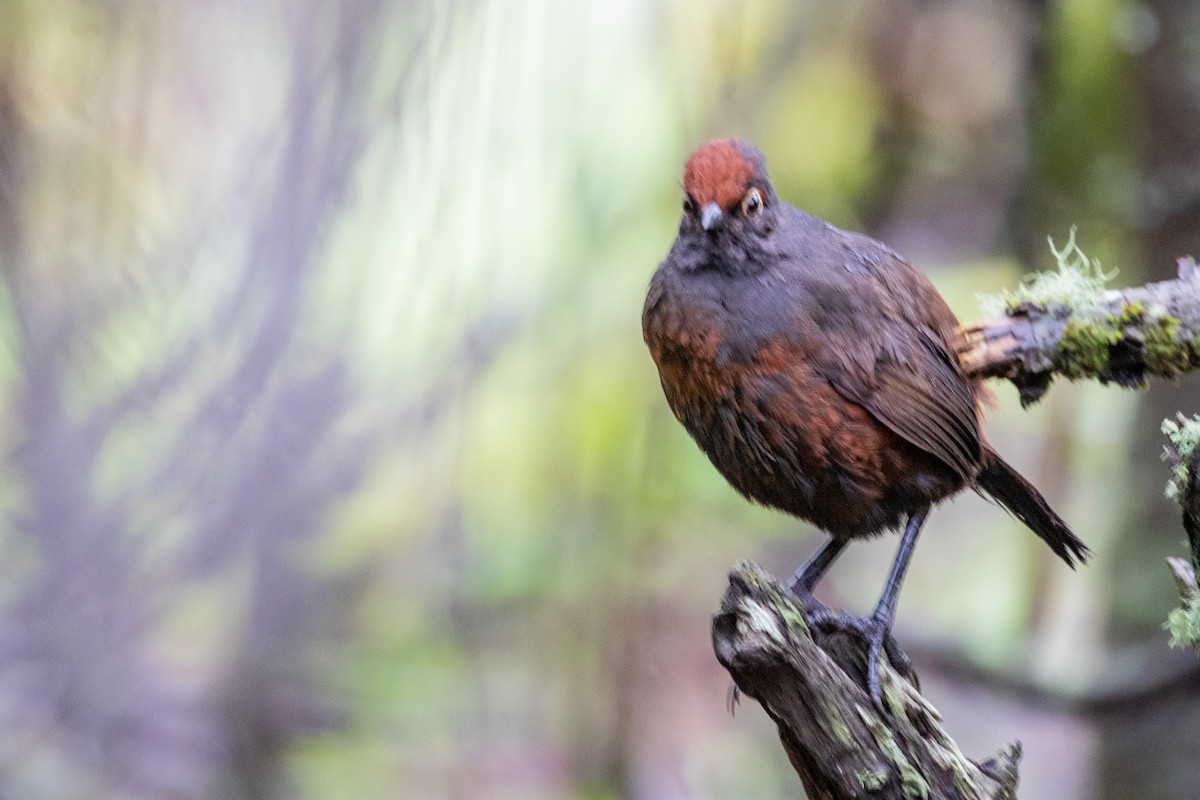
x=334, y=462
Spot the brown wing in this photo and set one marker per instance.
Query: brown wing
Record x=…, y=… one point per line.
x=926, y=401
x=900, y=367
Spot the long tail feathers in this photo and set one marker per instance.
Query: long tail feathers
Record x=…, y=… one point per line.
x=1007, y=487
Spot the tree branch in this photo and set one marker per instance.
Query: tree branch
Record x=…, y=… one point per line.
x=1127, y=335
x=812, y=685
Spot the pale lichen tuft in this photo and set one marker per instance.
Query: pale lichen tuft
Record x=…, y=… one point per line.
x=1077, y=285
x=1183, y=435
x=1183, y=623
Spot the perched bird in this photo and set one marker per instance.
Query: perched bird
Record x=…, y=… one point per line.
x=816, y=368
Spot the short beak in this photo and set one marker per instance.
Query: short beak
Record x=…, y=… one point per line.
x=711, y=217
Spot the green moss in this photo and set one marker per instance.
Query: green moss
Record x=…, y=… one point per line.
x=1131, y=316
x=1083, y=350
x=1131, y=313
x=911, y=781
x=871, y=780
x=835, y=725
x=892, y=696
x=1163, y=353
x=792, y=616
x=962, y=779
x=1085, y=344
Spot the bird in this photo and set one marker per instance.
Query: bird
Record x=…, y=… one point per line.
x=816, y=369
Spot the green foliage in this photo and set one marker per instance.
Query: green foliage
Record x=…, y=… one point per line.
x=1081, y=133
x=835, y=102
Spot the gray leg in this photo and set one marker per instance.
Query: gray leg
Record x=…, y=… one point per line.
x=880, y=625
x=805, y=580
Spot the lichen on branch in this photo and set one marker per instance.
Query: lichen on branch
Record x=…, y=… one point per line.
x=1077, y=284
x=1066, y=324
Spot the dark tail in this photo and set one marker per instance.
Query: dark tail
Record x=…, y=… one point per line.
x=1009, y=489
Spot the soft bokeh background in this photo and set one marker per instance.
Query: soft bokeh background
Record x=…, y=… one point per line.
x=334, y=462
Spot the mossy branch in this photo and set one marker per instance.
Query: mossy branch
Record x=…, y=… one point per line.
x=1117, y=336
x=1065, y=323
x=812, y=685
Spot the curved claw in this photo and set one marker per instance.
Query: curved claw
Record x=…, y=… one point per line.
x=897, y=657
x=876, y=634
x=733, y=699
x=876, y=648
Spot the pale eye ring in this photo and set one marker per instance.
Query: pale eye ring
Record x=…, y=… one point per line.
x=752, y=203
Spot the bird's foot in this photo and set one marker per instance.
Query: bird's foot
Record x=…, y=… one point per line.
x=813, y=608
x=879, y=636
x=875, y=633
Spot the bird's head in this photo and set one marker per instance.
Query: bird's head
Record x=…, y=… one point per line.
x=727, y=189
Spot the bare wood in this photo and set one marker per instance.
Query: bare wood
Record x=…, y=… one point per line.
x=812, y=685
x=1129, y=335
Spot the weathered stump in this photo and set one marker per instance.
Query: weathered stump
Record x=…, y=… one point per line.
x=813, y=686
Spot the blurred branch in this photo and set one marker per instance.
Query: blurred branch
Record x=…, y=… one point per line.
x=1143, y=677
x=1123, y=338
x=812, y=685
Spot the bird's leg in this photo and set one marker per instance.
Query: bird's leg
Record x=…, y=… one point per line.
x=875, y=630
x=801, y=584
x=805, y=580
x=879, y=626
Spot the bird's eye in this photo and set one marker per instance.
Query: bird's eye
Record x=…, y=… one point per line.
x=752, y=203
x=689, y=205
